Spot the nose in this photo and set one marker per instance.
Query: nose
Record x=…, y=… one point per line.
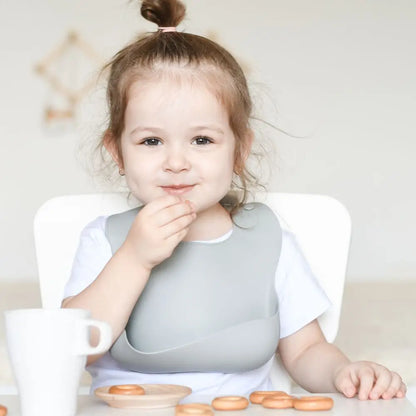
x=176, y=160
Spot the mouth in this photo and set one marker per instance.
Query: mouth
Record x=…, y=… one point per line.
x=177, y=189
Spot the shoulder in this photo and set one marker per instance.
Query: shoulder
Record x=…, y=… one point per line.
x=255, y=214
x=126, y=214
x=92, y=254
x=301, y=297
x=290, y=246
x=122, y=219
x=93, y=235
x=95, y=228
x=256, y=207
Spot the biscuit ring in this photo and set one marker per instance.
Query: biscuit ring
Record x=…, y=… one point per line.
x=3, y=410
x=230, y=403
x=193, y=409
x=126, y=389
x=278, y=402
x=313, y=403
x=257, y=396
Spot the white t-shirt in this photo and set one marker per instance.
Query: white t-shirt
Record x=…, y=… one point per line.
x=300, y=299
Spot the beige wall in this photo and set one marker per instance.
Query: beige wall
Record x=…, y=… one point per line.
x=339, y=73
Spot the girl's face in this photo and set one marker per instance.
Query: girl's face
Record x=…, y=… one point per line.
x=177, y=140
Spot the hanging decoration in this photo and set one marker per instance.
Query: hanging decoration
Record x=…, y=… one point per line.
x=66, y=70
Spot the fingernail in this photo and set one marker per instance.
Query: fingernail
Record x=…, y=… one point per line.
x=362, y=396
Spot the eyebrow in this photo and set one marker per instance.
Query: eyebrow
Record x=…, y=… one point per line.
x=146, y=128
x=208, y=127
x=194, y=128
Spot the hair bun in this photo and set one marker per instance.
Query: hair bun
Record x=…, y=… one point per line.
x=163, y=12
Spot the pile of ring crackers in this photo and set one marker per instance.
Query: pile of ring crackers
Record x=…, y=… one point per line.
x=268, y=399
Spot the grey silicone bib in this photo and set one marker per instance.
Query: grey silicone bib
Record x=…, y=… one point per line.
x=209, y=307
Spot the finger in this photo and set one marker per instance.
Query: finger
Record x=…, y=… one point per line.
x=161, y=203
x=347, y=387
x=402, y=391
x=393, y=388
x=177, y=225
x=382, y=384
x=171, y=213
x=175, y=239
x=366, y=376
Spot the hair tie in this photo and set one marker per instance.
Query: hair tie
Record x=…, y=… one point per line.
x=167, y=28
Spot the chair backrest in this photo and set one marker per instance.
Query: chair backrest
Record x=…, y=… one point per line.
x=321, y=224
x=57, y=227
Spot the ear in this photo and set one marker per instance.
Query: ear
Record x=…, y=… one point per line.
x=112, y=147
x=244, y=153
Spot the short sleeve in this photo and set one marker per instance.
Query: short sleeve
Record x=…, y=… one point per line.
x=92, y=255
x=301, y=298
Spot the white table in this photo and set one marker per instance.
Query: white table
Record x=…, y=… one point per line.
x=92, y=406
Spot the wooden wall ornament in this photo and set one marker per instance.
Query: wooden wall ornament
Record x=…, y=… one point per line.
x=71, y=94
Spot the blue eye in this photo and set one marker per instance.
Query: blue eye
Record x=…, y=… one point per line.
x=202, y=140
x=151, y=141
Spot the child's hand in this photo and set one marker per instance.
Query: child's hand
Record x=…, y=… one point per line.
x=369, y=380
x=158, y=228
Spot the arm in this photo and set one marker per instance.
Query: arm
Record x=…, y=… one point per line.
x=319, y=366
x=310, y=360
x=112, y=295
x=155, y=232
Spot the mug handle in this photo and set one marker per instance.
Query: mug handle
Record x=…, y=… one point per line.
x=104, y=341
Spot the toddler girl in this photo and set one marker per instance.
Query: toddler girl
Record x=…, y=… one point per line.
x=200, y=289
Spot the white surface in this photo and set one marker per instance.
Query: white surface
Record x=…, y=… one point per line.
x=91, y=406
x=47, y=345
x=411, y=394
x=321, y=224
x=339, y=73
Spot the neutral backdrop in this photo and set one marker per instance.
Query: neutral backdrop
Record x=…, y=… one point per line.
x=340, y=75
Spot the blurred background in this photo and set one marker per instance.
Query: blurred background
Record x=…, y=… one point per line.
x=338, y=77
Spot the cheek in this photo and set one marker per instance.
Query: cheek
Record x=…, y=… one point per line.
x=228, y=164
x=217, y=168
x=137, y=173
x=137, y=164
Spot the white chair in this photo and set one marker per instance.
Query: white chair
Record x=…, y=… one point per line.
x=321, y=224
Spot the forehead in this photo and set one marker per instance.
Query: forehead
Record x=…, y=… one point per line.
x=166, y=95
x=177, y=75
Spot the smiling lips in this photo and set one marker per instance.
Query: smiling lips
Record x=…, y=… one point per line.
x=177, y=189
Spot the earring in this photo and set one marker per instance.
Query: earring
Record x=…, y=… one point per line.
x=121, y=172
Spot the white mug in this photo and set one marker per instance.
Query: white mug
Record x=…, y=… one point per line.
x=48, y=349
